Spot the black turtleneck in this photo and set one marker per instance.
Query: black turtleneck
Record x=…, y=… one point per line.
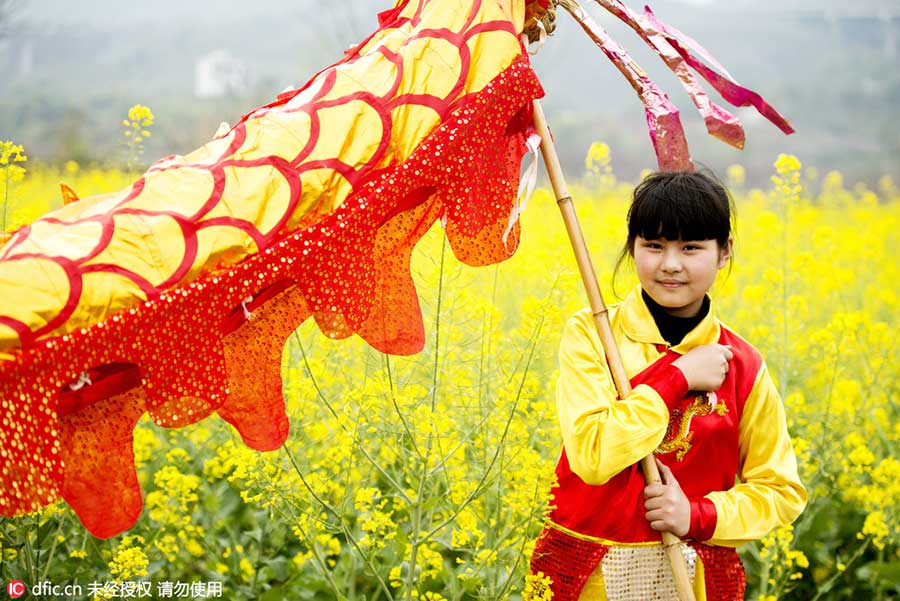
x=672, y=328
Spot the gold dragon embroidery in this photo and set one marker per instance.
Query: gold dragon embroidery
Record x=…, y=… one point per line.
x=678, y=434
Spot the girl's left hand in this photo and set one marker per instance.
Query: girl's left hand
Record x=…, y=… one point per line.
x=668, y=509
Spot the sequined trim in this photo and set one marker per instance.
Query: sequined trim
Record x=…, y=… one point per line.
x=597, y=539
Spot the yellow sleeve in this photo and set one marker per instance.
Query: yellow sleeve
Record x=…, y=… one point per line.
x=602, y=435
x=769, y=493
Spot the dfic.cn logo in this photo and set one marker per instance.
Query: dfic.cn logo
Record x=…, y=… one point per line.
x=15, y=588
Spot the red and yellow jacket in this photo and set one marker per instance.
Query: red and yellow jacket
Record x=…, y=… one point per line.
x=730, y=451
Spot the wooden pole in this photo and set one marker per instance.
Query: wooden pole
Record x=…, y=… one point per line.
x=671, y=542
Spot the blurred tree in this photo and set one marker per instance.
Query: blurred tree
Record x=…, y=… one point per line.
x=7, y=9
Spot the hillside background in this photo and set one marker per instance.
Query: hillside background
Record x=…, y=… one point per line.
x=70, y=72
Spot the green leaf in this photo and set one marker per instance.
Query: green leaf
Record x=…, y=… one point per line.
x=279, y=567
x=883, y=573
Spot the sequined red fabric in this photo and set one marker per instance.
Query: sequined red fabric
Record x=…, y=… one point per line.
x=724, y=575
x=567, y=560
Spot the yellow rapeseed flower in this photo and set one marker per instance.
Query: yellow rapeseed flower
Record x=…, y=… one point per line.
x=736, y=175
x=786, y=164
x=537, y=587
x=129, y=561
x=135, y=131
x=246, y=569
x=598, y=157
x=876, y=527
x=382, y=440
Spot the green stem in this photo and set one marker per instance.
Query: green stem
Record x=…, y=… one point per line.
x=484, y=383
x=334, y=413
x=503, y=592
x=764, y=579
x=475, y=491
x=4, y=537
x=409, y=434
x=323, y=566
x=52, y=550
x=437, y=326
x=487, y=329
x=327, y=506
x=29, y=560
x=826, y=430
x=423, y=476
x=291, y=517
x=825, y=587
x=259, y=555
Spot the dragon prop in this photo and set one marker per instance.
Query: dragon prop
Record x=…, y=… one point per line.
x=174, y=296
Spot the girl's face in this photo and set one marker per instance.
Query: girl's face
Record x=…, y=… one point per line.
x=677, y=273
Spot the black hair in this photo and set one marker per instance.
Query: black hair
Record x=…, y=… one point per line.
x=678, y=205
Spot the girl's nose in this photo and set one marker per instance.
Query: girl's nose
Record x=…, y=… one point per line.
x=671, y=262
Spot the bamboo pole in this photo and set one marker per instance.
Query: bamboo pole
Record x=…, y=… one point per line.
x=671, y=542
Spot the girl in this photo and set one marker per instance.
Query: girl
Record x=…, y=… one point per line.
x=702, y=401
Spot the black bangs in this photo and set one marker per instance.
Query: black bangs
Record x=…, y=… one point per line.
x=680, y=206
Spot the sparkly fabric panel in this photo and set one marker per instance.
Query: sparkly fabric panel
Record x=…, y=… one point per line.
x=254, y=405
x=214, y=344
x=567, y=560
x=643, y=573
x=106, y=494
x=724, y=574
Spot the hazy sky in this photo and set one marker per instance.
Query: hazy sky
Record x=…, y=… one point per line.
x=807, y=71
x=114, y=12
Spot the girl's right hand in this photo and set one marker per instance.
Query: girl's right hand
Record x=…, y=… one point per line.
x=705, y=367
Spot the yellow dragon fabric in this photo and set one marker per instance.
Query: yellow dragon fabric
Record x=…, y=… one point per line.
x=174, y=296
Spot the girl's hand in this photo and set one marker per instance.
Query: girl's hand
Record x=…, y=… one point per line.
x=668, y=509
x=705, y=367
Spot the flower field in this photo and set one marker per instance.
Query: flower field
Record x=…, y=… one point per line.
x=427, y=477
